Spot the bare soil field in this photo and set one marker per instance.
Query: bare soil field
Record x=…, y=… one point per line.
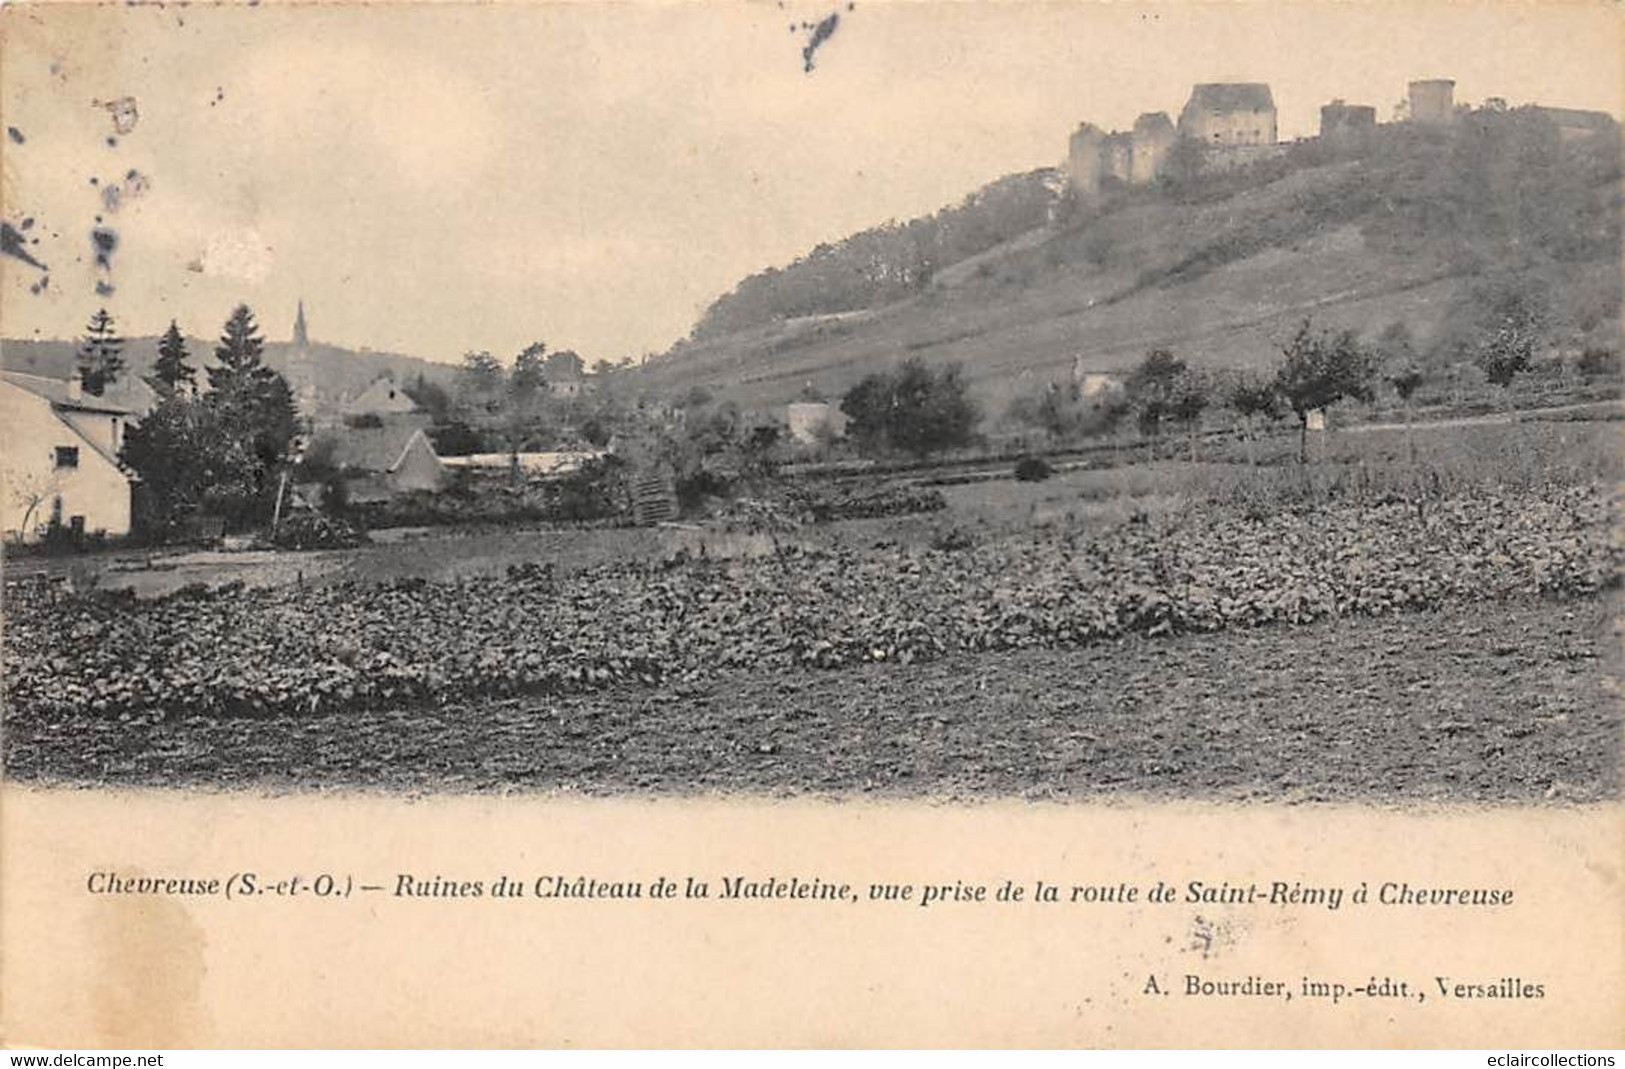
x=1513, y=703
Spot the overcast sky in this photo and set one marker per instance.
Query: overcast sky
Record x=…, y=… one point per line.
x=433, y=179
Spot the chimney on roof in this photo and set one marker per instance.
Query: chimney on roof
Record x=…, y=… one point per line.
x=76, y=385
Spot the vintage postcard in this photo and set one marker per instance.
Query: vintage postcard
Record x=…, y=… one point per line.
x=807, y=523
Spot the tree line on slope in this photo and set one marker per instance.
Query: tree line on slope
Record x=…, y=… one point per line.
x=884, y=263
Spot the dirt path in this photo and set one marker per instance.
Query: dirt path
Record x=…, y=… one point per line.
x=1510, y=703
x=1523, y=416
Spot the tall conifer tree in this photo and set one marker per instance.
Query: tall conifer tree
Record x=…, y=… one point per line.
x=101, y=354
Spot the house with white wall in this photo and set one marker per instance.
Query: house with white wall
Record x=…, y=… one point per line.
x=59, y=459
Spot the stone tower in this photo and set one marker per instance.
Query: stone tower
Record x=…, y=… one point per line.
x=1083, y=159
x=1153, y=137
x=1432, y=101
x=1344, y=125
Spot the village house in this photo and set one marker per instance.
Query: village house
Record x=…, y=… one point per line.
x=59, y=450
x=1096, y=387
x=564, y=374
x=809, y=422
x=382, y=398
x=378, y=463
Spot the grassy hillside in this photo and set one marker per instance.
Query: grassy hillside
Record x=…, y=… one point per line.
x=1411, y=228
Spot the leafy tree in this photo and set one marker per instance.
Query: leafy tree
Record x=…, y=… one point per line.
x=526, y=418
x=481, y=382
x=529, y=376
x=867, y=406
x=1109, y=416
x=1188, y=398
x=172, y=371
x=191, y=460
x=758, y=450
x=1056, y=408
x=276, y=419
x=1504, y=354
x=101, y=354
x=1184, y=166
x=913, y=409
x=1318, y=370
x=1253, y=399
x=1152, y=389
x=509, y=410
x=1404, y=374
x=1598, y=362
x=1060, y=409
x=429, y=396
x=1514, y=323
x=454, y=438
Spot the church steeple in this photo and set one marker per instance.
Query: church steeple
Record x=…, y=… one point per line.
x=300, y=337
x=299, y=372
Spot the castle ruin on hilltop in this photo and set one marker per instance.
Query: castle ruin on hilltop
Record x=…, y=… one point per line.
x=1235, y=123
x=1234, y=120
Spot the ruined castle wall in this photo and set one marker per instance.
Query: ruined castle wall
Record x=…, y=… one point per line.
x=1151, y=148
x=1117, y=157
x=1229, y=157
x=1084, y=165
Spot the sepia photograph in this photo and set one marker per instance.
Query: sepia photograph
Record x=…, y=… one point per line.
x=829, y=404
x=600, y=412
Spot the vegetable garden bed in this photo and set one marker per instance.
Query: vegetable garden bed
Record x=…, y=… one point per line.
x=356, y=646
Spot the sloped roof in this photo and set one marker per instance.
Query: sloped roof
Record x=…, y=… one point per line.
x=1232, y=96
x=375, y=449
x=381, y=393
x=56, y=411
x=126, y=396
x=95, y=446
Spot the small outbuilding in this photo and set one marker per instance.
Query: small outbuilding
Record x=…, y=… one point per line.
x=379, y=462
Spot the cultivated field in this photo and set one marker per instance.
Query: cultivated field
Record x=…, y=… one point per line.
x=1356, y=628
